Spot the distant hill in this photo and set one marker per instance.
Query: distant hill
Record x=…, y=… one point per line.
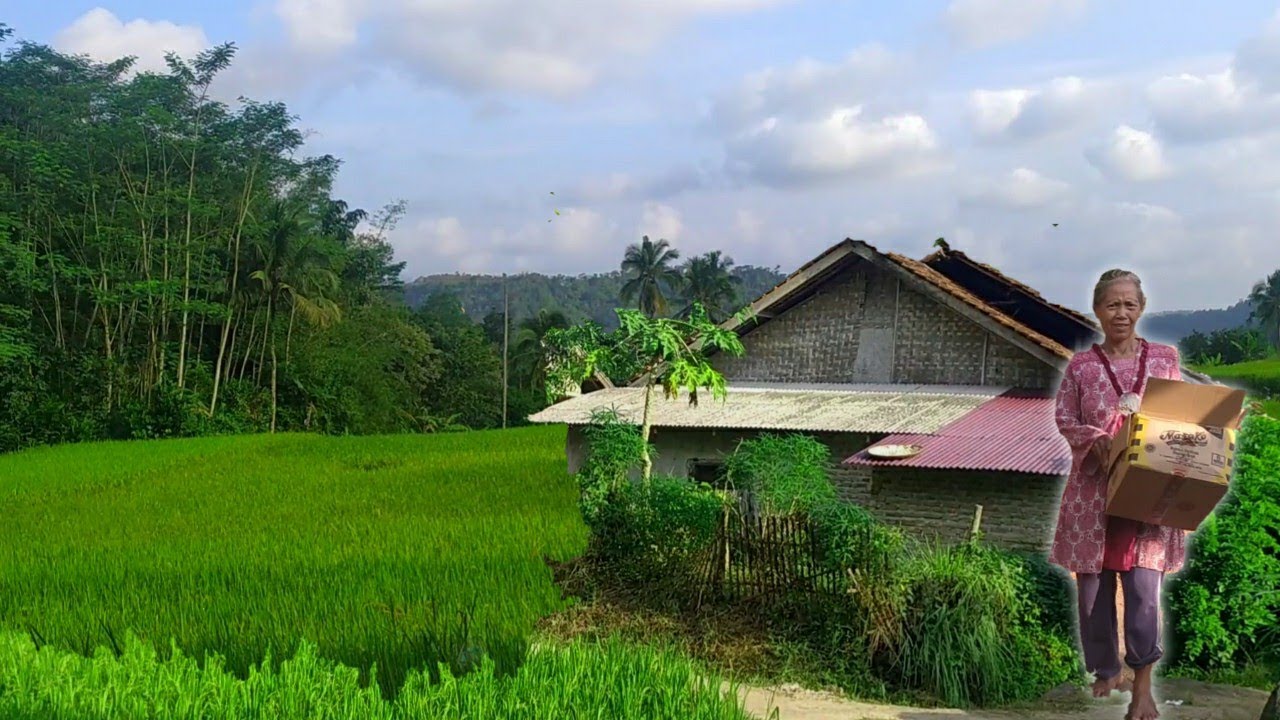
x=595, y=296
x=578, y=296
x=1175, y=325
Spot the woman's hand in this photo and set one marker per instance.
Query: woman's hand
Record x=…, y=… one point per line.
x=1102, y=451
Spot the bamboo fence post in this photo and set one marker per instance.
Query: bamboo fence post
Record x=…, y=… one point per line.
x=977, y=523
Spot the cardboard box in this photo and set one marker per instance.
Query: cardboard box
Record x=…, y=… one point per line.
x=1171, y=461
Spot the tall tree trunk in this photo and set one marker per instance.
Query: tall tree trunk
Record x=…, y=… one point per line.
x=646, y=462
x=164, y=302
x=231, y=295
x=269, y=337
x=231, y=347
x=273, y=385
x=266, y=338
x=288, y=337
x=186, y=280
x=248, y=346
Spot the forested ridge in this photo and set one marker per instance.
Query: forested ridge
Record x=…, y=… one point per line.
x=580, y=297
x=172, y=265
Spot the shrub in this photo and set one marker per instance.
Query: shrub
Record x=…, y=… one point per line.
x=786, y=473
x=655, y=534
x=849, y=537
x=648, y=533
x=1051, y=591
x=1226, y=602
x=969, y=632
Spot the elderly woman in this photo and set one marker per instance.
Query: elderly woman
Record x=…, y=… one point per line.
x=1100, y=386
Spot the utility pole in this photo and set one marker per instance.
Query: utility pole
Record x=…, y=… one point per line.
x=506, y=324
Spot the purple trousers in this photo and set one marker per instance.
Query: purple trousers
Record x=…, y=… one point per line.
x=1096, y=601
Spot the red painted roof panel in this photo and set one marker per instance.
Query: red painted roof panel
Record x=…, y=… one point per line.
x=1009, y=433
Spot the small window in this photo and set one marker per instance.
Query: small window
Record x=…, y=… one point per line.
x=708, y=471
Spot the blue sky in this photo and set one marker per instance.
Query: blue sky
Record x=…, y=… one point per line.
x=770, y=129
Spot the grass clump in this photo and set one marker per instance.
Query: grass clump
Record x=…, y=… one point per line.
x=966, y=630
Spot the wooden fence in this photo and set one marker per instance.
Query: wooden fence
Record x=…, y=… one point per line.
x=758, y=557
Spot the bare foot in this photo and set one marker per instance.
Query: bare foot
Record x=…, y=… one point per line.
x=1103, y=688
x=1143, y=707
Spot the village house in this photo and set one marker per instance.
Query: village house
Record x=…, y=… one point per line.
x=861, y=348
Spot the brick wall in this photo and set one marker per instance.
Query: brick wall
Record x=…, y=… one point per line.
x=1019, y=510
x=901, y=334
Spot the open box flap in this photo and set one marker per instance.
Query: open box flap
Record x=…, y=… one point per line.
x=1209, y=405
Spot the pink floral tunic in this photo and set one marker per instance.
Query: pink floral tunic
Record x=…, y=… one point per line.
x=1086, y=410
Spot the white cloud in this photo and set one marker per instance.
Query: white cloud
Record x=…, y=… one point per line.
x=104, y=37
x=984, y=23
x=1257, y=60
x=660, y=222
x=806, y=87
x=993, y=111
x=748, y=227
x=448, y=244
x=320, y=25
x=544, y=47
x=575, y=230
x=628, y=186
x=1020, y=189
x=1149, y=213
x=444, y=236
x=841, y=144
x=1241, y=99
x=1206, y=107
x=1130, y=154
x=1062, y=104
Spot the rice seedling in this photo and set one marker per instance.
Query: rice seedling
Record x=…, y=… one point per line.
x=399, y=551
x=578, y=680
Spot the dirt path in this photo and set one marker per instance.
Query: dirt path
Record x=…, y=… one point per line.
x=1199, y=701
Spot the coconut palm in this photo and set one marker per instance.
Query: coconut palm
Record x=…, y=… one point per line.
x=292, y=271
x=650, y=276
x=1265, y=299
x=531, y=352
x=708, y=279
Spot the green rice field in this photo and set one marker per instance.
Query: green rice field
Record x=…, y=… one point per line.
x=399, y=551
x=1260, y=377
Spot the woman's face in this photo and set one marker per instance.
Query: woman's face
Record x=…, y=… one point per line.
x=1119, y=310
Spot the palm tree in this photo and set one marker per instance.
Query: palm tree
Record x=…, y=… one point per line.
x=530, y=350
x=650, y=276
x=293, y=271
x=1265, y=299
x=708, y=279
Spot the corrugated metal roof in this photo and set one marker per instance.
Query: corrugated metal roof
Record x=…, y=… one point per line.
x=902, y=409
x=1008, y=433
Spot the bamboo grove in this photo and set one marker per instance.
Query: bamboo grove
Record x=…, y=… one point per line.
x=171, y=265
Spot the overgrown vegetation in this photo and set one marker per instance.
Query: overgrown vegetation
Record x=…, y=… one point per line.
x=961, y=625
x=1226, y=602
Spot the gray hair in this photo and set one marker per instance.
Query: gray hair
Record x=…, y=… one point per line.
x=1113, y=276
